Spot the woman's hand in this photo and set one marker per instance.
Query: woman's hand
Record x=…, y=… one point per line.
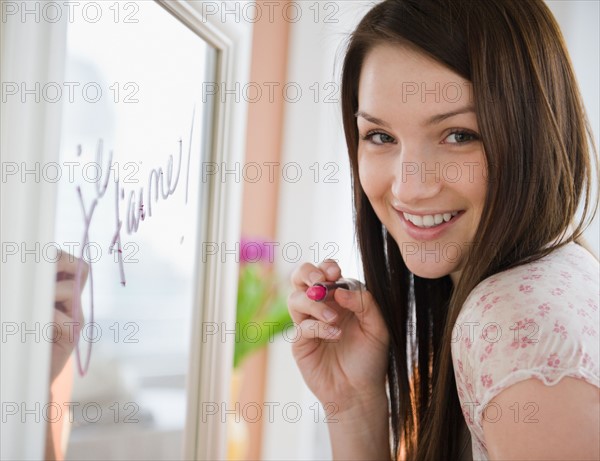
x=65, y=301
x=346, y=368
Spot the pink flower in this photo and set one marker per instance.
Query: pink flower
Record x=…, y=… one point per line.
x=521, y=343
x=526, y=288
x=543, y=309
x=467, y=416
x=256, y=250
x=469, y=387
x=582, y=313
x=553, y=360
x=468, y=342
x=557, y=291
x=558, y=328
x=523, y=324
x=490, y=330
x=486, y=380
x=588, y=330
x=525, y=338
x=586, y=359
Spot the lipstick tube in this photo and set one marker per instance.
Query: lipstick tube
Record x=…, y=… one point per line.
x=323, y=291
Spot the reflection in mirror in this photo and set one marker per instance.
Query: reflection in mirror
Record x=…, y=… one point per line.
x=134, y=136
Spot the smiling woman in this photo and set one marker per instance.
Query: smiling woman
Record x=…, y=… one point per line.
x=420, y=160
x=470, y=153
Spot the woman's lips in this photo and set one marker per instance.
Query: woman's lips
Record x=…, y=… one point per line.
x=431, y=233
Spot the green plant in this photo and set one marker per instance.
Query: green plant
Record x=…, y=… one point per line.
x=261, y=310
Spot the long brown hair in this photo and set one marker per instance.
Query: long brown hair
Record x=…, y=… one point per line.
x=537, y=144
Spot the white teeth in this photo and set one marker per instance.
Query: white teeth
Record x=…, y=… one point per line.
x=429, y=220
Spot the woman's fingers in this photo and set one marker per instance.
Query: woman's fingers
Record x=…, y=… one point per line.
x=357, y=301
x=305, y=275
x=362, y=304
x=312, y=317
x=68, y=266
x=65, y=298
x=66, y=294
x=68, y=331
x=64, y=291
x=313, y=330
x=331, y=269
x=301, y=308
x=308, y=274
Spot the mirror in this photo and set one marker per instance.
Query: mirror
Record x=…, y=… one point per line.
x=135, y=133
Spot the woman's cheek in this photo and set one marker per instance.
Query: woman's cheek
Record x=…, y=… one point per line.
x=370, y=176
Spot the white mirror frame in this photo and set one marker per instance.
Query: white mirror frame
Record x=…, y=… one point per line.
x=212, y=360
x=30, y=133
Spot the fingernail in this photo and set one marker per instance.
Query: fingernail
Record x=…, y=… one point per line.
x=343, y=293
x=329, y=314
x=332, y=330
x=315, y=277
x=331, y=271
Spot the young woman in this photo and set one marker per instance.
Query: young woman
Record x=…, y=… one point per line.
x=470, y=152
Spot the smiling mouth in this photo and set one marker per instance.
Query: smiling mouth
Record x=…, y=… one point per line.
x=427, y=221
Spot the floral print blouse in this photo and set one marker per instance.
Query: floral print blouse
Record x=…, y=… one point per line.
x=539, y=320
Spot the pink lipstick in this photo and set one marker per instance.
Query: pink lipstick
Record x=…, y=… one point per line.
x=323, y=291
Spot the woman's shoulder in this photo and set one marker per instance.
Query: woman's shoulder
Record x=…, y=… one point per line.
x=566, y=276
x=535, y=320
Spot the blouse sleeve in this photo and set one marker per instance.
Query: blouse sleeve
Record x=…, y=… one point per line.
x=530, y=323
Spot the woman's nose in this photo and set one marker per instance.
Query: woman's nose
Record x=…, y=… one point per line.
x=417, y=177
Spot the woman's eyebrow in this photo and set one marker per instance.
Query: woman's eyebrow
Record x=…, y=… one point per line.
x=371, y=119
x=435, y=119
x=441, y=117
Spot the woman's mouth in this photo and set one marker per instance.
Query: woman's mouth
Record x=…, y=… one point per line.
x=427, y=221
x=429, y=227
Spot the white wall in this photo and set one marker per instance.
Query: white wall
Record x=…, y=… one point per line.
x=312, y=213
x=579, y=21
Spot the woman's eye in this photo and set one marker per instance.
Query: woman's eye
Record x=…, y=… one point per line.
x=377, y=137
x=461, y=137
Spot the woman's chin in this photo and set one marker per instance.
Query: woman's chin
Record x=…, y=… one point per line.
x=428, y=269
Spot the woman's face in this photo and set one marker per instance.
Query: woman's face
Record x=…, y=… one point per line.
x=420, y=159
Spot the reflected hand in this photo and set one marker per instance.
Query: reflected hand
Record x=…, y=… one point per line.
x=65, y=301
